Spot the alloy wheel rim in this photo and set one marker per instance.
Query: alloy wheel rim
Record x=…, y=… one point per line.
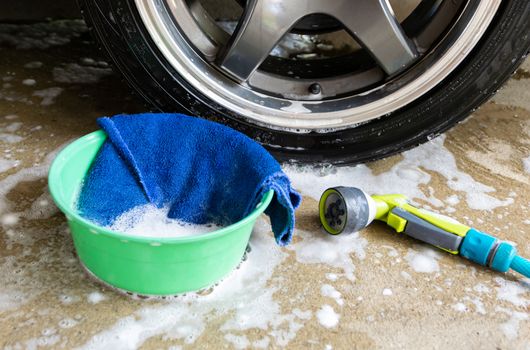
x=213, y=62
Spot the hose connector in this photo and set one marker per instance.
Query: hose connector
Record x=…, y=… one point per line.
x=487, y=250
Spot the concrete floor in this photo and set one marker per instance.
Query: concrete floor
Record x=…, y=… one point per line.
x=369, y=290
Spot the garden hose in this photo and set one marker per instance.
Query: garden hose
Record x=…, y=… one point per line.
x=349, y=209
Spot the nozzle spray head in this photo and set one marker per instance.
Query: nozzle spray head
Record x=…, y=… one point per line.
x=346, y=209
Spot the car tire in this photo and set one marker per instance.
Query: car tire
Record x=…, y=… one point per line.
x=120, y=30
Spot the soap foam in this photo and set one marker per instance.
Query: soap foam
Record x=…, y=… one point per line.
x=335, y=251
x=29, y=82
x=238, y=341
x=460, y=307
x=510, y=328
x=33, y=65
x=526, y=164
x=404, y=177
x=11, y=299
x=423, y=259
x=48, y=95
x=41, y=35
x=328, y=317
x=7, y=135
x=74, y=73
x=9, y=219
x=95, y=297
x=42, y=208
x=26, y=174
x=328, y=290
x=513, y=292
x=17, y=272
x=481, y=288
x=243, y=301
x=387, y=292
x=150, y=221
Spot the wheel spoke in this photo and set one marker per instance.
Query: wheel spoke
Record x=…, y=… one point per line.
x=373, y=24
x=263, y=24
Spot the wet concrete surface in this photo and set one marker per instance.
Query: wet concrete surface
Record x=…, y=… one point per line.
x=373, y=289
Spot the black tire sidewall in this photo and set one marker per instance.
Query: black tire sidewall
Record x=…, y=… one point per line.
x=118, y=26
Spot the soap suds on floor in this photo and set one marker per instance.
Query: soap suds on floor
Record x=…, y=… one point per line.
x=328, y=290
x=11, y=299
x=7, y=164
x=45, y=260
x=452, y=200
x=526, y=164
x=387, y=292
x=150, y=221
x=9, y=219
x=42, y=208
x=327, y=316
x=10, y=138
x=331, y=276
x=26, y=174
x=238, y=341
x=13, y=127
x=335, y=251
x=466, y=300
x=511, y=327
x=74, y=73
x=33, y=65
x=405, y=275
x=29, y=82
x=460, y=307
x=17, y=273
x=513, y=292
x=48, y=95
x=44, y=341
x=68, y=299
x=404, y=177
x=262, y=343
x=42, y=35
x=481, y=288
x=423, y=259
x=68, y=323
x=96, y=297
x=7, y=133
x=244, y=297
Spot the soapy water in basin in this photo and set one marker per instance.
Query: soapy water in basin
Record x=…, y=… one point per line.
x=150, y=221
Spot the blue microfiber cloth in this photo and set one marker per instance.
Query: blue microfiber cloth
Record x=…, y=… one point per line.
x=204, y=171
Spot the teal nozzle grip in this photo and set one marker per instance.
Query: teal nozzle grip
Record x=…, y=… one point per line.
x=477, y=246
x=488, y=251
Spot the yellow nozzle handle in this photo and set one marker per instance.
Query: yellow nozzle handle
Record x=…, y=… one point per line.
x=385, y=204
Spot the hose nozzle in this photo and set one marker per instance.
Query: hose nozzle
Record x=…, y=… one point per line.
x=346, y=209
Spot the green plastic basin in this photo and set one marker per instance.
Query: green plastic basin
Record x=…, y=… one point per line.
x=144, y=265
